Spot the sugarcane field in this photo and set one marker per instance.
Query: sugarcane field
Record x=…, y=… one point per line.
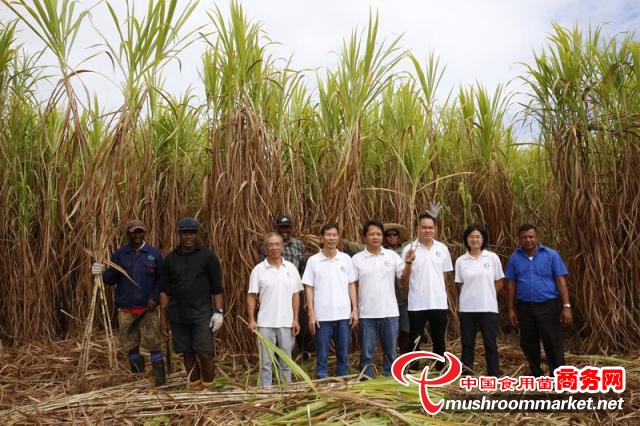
x=199, y=227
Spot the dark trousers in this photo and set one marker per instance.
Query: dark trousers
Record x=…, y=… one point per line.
x=437, y=319
x=487, y=322
x=541, y=322
x=304, y=340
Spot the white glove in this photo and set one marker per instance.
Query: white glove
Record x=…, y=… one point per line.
x=434, y=209
x=97, y=268
x=216, y=321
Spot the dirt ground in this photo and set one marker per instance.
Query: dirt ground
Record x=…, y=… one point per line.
x=39, y=384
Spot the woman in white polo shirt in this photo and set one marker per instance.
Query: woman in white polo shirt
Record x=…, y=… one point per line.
x=479, y=273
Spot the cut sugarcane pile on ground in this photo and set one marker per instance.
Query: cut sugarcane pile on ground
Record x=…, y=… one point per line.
x=38, y=385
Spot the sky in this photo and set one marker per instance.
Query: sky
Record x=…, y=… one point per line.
x=478, y=41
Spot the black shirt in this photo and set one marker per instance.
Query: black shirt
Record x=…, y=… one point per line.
x=189, y=279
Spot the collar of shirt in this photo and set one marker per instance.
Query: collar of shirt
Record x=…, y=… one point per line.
x=336, y=257
x=467, y=255
x=417, y=244
x=541, y=248
x=369, y=254
x=181, y=253
x=143, y=248
x=266, y=264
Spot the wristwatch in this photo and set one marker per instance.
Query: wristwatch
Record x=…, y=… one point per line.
x=566, y=305
x=219, y=311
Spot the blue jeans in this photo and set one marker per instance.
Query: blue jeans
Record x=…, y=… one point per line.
x=372, y=329
x=340, y=332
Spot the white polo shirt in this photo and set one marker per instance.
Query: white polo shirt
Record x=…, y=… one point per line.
x=426, y=282
x=478, y=277
x=376, y=282
x=330, y=280
x=275, y=287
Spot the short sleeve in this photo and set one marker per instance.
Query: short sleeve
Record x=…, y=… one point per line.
x=163, y=281
x=557, y=265
x=399, y=265
x=297, y=281
x=254, y=281
x=350, y=270
x=510, y=273
x=405, y=250
x=497, y=268
x=447, y=266
x=458, y=270
x=215, y=274
x=309, y=276
x=356, y=273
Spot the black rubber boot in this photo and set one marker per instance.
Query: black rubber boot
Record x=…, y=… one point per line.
x=159, y=376
x=137, y=365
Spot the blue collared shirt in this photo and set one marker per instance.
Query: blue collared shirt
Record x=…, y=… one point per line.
x=144, y=267
x=535, y=278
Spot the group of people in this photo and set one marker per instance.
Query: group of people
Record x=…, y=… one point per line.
x=389, y=288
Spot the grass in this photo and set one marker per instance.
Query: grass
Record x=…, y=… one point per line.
x=36, y=386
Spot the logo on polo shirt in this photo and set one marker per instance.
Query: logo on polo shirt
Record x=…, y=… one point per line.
x=387, y=263
x=487, y=265
x=151, y=257
x=438, y=254
x=342, y=269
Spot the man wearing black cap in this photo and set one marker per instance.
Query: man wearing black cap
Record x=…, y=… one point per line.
x=141, y=262
x=294, y=250
x=191, y=300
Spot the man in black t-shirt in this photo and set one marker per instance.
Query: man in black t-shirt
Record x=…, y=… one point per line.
x=191, y=300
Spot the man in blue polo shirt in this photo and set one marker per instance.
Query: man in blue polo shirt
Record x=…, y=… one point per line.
x=536, y=280
x=141, y=262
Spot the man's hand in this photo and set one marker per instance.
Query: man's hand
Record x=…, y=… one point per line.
x=313, y=324
x=295, y=327
x=97, y=268
x=216, y=321
x=354, y=319
x=411, y=256
x=513, y=318
x=566, y=317
x=151, y=305
x=252, y=326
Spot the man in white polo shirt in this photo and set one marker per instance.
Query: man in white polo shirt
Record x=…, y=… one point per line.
x=376, y=269
x=426, y=263
x=277, y=282
x=331, y=301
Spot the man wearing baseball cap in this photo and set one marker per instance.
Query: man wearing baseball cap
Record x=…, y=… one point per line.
x=137, y=295
x=191, y=301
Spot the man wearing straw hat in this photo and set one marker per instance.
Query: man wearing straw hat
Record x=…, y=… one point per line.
x=395, y=236
x=137, y=294
x=191, y=299
x=277, y=282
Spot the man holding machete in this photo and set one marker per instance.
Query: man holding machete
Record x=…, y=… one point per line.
x=137, y=297
x=191, y=301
